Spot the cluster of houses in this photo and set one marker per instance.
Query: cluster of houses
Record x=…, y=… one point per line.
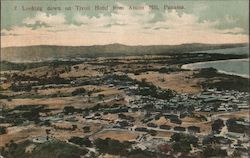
x=213, y=100
x=174, y=110
x=210, y=100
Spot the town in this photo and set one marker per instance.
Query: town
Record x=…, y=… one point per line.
x=131, y=106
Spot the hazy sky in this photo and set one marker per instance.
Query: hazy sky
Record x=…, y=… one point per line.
x=201, y=21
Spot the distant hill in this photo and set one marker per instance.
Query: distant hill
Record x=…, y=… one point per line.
x=46, y=52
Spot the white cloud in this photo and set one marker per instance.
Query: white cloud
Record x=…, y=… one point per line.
x=126, y=26
x=127, y=19
x=43, y=18
x=235, y=30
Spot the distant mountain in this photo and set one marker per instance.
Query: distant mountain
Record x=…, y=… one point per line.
x=46, y=52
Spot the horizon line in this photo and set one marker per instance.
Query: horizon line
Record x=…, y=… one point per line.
x=129, y=45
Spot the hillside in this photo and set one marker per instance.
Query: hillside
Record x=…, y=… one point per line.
x=45, y=52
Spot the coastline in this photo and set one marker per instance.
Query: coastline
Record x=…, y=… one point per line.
x=192, y=66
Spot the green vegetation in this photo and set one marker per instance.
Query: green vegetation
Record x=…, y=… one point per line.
x=233, y=126
x=1, y=89
x=22, y=113
x=160, y=70
x=141, y=154
x=223, y=81
x=13, y=150
x=5, y=65
x=2, y=130
x=41, y=81
x=217, y=125
x=58, y=150
x=48, y=52
x=76, y=147
x=113, y=147
x=81, y=141
x=4, y=96
x=182, y=142
x=70, y=110
x=179, y=147
x=55, y=149
x=214, y=152
x=147, y=89
x=79, y=91
x=18, y=88
x=187, y=58
x=199, y=117
x=86, y=129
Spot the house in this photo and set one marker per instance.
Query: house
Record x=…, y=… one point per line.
x=116, y=109
x=166, y=127
x=141, y=129
x=243, y=106
x=171, y=116
x=41, y=139
x=184, y=114
x=152, y=125
x=221, y=109
x=181, y=129
x=176, y=121
x=123, y=123
x=243, y=123
x=193, y=129
x=234, y=135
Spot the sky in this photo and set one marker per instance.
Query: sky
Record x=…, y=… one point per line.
x=193, y=21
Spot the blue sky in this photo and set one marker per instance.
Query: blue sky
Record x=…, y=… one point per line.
x=201, y=21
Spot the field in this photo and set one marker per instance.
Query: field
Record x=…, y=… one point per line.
x=117, y=135
x=19, y=134
x=181, y=82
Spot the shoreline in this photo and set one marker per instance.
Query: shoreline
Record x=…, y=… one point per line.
x=191, y=66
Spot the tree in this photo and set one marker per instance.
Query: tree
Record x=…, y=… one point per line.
x=152, y=132
x=180, y=147
x=81, y=141
x=236, y=154
x=217, y=125
x=74, y=127
x=58, y=150
x=214, y=152
x=233, y=126
x=86, y=129
x=182, y=142
x=111, y=146
x=68, y=109
x=76, y=67
x=141, y=154
x=101, y=96
x=79, y=91
x=3, y=130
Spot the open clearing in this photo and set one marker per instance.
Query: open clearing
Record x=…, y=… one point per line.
x=18, y=134
x=117, y=135
x=181, y=82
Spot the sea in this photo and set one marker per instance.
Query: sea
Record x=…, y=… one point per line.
x=239, y=67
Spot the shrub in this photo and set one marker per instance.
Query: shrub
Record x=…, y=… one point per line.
x=214, y=152
x=112, y=146
x=3, y=130
x=182, y=142
x=81, y=141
